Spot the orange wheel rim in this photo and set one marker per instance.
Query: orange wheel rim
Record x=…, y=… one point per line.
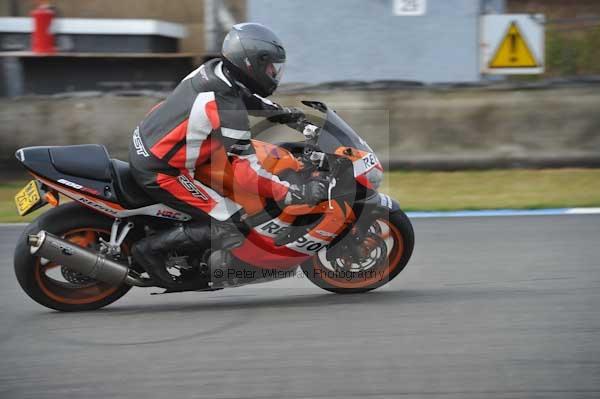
x=371, y=277
x=69, y=293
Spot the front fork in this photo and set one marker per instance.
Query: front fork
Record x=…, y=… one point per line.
x=349, y=241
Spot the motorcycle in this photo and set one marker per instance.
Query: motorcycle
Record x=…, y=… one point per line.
x=76, y=256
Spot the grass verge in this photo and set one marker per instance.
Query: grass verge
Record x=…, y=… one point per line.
x=495, y=189
x=447, y=191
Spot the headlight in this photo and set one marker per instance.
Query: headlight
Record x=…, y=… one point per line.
x=375, y=177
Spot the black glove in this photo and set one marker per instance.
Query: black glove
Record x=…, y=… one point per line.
x=310, y=193
x=286, y=115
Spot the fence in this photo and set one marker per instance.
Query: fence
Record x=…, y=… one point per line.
x=573, y=46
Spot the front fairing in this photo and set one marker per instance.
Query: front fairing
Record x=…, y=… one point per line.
x=337, y=138
x=336, y=133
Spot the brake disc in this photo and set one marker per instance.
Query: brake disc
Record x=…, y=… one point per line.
x=74, y=277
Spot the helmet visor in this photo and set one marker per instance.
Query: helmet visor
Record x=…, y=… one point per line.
x=275, y=70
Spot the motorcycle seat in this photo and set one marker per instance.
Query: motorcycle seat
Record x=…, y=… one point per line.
x=127, y=189
x=89, y=161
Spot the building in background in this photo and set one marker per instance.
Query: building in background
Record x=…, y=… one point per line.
x=328, y=40
x=189, y=13
x=340, y=40
x=362, y=40
x=102, y=45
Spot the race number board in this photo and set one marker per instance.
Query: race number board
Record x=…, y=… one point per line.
x=512, y=44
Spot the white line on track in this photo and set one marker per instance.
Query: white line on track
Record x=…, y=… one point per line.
x=583, y=211
x=466, y=214
x=505, y=212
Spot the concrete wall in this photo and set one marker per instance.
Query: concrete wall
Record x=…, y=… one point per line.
x=337, y=40
x=428, y=128
x=474, y=128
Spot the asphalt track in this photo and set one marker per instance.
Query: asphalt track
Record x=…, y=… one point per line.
x=488, y=308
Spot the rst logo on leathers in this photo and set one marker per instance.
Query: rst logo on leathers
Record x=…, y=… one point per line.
x=138, y=144
x=191, y=187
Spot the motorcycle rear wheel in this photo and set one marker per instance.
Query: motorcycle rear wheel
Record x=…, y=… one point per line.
x=396, y=230
x=42, y=280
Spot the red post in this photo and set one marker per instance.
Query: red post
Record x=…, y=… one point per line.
x=42, y=39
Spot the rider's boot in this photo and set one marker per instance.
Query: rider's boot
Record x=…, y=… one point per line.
x=151, y=252
x=229, y=237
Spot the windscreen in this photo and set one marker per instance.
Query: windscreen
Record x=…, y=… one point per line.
x=336, y=133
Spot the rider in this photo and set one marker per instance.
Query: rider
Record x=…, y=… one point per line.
x=206, y=112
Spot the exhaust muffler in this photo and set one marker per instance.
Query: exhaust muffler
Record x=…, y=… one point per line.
x=82, y=260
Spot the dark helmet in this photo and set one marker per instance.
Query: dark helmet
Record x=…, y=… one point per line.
x=255, y=57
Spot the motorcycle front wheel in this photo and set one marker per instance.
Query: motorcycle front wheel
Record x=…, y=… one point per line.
x=385, y=252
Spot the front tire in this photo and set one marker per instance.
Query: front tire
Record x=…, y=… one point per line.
x=397, y=240
x=39, y=279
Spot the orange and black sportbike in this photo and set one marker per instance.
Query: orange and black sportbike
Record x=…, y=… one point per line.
x=76, y=256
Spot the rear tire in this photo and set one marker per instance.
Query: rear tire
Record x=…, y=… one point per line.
x=400, y=230
x=68, y=220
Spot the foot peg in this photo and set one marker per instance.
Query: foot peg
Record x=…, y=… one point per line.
x=151, y=252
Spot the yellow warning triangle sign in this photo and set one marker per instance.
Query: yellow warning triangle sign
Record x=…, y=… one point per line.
x=513, y=51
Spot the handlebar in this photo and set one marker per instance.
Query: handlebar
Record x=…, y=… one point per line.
x=308, y=130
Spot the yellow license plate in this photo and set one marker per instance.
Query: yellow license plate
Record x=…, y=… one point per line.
x=28, y=198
